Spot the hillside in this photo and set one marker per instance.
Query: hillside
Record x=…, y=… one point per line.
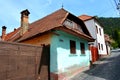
x=112, y=27
x=110, y=24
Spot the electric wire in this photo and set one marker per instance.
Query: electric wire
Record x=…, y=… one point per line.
x=108, y=9
x=116, y=4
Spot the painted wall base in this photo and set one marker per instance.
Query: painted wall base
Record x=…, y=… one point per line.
x=103, y=55
x=67, y=75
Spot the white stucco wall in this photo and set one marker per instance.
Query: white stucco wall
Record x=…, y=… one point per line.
x=91, y=26
x=101, y=39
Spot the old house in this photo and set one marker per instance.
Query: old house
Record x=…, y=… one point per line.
x=65, y=38
x=108, y=42
x=98, y=47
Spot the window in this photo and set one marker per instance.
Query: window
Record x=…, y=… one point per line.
x=73, y=25
x=99, y=46
x=102, y=46
x=72, y=47
x=82, y=46
x=96, y=29
x=100, y=31
x=68, y=23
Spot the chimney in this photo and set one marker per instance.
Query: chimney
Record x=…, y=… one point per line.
x=24, y=21
x=3, y=33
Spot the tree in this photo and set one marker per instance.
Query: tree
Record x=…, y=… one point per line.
x=116, y=37
x=112, y=28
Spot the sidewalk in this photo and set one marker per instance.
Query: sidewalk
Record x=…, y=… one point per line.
x=100, y=61
x=82, y=75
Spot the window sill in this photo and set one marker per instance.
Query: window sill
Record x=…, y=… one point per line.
x=73, y=55
x=82, y=55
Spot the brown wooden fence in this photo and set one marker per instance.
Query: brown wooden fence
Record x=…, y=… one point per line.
x=19, y=61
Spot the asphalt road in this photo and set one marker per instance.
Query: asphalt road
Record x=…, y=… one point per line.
x=106, y=69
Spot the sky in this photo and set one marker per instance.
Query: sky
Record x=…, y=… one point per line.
x=10, y=9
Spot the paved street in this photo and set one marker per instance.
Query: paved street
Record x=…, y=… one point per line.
x=105, y=69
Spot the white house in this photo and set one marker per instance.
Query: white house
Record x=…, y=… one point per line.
x=108, y=42
x=98, y=47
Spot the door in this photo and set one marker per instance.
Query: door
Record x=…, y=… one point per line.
x=44, y=68
x=95, y=55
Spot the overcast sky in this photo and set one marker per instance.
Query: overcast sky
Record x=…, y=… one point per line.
x=10, y=9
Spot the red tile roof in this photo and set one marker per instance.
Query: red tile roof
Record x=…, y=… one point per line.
x=47, y=23
x=12, y=35
x=85, y=17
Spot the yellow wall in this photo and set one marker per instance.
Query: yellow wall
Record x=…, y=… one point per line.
x=42, y=39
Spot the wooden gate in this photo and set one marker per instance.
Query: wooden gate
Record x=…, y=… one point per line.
x=24, y=62
x=44, y=68
x=95, y=55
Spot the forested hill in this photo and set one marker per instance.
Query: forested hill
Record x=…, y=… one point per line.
x=112, y=27
x=110, y=24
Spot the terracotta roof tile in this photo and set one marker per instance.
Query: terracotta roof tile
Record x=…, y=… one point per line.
x=85, y=17
x=11, y=35
x=47, y=23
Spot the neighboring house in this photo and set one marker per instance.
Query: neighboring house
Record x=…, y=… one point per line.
x=108, y=43
x=65, y=37
x=98, y=47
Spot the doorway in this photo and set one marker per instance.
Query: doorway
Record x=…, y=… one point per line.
x=44, y=67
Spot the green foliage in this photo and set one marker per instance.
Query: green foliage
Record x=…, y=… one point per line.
x=112, y=27
x=116, y=37
x=110, y=24
x=114, y=45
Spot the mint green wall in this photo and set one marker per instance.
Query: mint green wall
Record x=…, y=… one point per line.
x=61, y=59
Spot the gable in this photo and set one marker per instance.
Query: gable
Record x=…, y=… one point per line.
x=75, y=23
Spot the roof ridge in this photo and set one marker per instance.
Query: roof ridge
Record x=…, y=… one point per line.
x=86, y=15
x=49, y=15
